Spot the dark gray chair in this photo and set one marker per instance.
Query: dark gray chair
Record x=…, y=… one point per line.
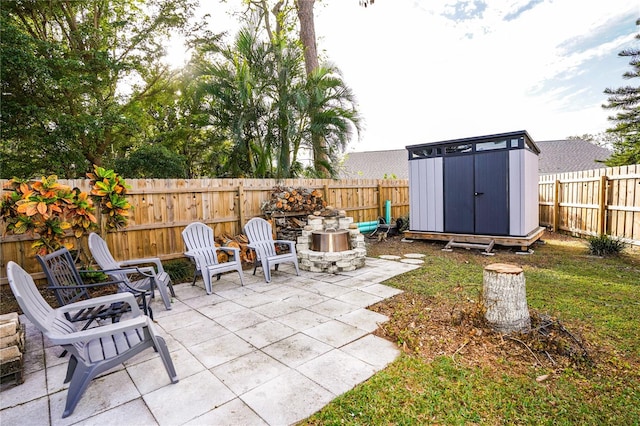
x=68, y=286
x=94, y=350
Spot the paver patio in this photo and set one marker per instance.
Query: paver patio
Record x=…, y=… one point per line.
x=246, y=355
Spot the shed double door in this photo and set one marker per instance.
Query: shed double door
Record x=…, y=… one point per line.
x=476, y=189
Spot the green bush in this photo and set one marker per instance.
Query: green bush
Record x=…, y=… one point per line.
x=604, y=245
x=180, y=270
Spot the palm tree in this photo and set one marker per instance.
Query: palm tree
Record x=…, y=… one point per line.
x=332, y=117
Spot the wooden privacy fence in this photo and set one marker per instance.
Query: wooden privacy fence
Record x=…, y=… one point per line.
x=593, y=202
x=163, y=207
x=583, y=203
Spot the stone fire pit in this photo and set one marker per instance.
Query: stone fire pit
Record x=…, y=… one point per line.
x=331, y=261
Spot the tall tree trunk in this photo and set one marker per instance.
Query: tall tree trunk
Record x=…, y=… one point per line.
x=308, y=34
x=308, y=40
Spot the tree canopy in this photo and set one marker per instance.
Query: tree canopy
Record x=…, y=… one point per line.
x=73, y=76
x=84, y=83
x=626, y=100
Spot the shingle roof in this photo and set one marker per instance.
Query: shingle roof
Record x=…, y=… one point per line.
x=375, y=164
x=570, y=155
x=555, y=157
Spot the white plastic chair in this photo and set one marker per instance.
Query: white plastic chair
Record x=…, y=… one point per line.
x=94, y=350
x=123, y=270
x=260, y=235
x=201, y=248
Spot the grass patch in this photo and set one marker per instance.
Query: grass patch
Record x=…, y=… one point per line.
x=459, y=373
x=412, y=391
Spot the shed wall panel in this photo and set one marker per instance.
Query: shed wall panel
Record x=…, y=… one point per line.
x=426, y=210
x=516, y=189
x=531, y=212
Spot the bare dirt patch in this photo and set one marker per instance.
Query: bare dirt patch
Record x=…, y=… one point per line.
x=431, y=328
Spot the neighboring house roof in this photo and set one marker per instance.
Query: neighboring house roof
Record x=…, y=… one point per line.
x=375, y=165
x=570, y=155
x=555, y=157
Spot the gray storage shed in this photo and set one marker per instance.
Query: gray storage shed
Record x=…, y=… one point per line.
x=484, y=185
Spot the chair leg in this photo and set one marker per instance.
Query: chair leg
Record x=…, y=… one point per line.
x=241, y=275
x=162, y=288
x=162, y=350
x=71, y=367
x=79, y=382
x=195, y=275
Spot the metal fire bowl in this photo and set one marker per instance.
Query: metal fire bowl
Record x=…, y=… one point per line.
x=330, y=240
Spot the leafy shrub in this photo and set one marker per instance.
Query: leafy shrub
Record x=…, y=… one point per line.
x=180, y=270
x=46, y=209
x=604, y=245
x=402, y=223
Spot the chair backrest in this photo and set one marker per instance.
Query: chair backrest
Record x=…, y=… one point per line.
x=103, y=257
x=260, y=231
x=33, y=304
x=101, y=253
x=60, y=270
x=198, y=237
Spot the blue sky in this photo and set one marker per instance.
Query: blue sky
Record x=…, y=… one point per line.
x=432, y=70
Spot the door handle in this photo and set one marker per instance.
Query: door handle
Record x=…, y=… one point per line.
x=478, y=193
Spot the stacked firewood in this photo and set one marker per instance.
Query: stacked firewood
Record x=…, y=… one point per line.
x=238, y=241
x=294, y=200
x=11, y=347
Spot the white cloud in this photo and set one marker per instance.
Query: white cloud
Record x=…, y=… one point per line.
x=441, y=69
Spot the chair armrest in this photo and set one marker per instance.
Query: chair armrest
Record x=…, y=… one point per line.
x=93, y=285
x=154, y=260
x=109, y=299
x=235, y=250
x=290, y=244
x=147, y=271
x=287, y=242
x=97, y=332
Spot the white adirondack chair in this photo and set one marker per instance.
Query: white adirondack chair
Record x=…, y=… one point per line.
x=94, y=350
x=201, y=248
x=260, y=235
x=124, y=270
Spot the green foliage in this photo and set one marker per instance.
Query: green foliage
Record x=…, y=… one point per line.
x=626, y=149
x=152, y=161
x=73, y=77
x=46, y=209
x=259, y=99
x=109, y=191
x=605, y=245
x=180, y=270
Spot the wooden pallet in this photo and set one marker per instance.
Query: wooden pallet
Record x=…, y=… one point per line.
x=508, y=241
x=487, y=247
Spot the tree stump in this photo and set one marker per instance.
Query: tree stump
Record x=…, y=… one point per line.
x=505, y=298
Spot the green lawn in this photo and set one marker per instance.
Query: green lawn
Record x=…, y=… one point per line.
x=598, y=299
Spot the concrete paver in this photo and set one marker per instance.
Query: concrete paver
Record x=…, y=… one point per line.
x=258, y=354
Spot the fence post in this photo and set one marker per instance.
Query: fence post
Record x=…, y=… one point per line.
x=602, y=206
x=556, y=206
x=380, y=201
x=240, y=206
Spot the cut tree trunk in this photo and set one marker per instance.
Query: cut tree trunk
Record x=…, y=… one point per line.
x=505, y=298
